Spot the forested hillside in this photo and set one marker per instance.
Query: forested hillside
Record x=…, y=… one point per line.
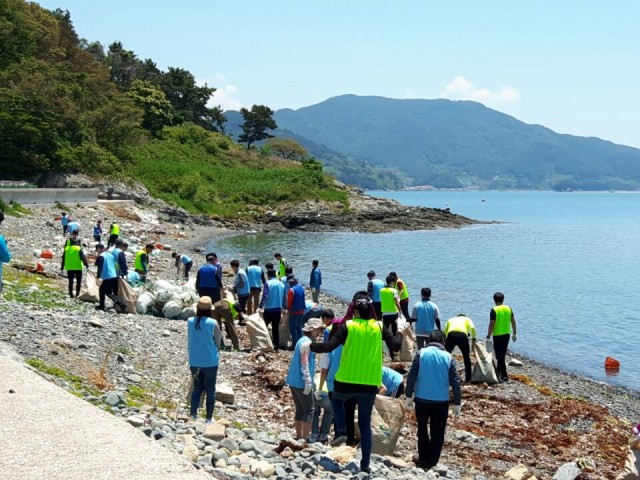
x=71, y=105
x=453, y=144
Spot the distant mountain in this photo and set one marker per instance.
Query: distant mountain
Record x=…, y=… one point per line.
x=344, y=168
x=459, y=143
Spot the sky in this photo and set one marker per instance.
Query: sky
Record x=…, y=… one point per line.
x=572, y=66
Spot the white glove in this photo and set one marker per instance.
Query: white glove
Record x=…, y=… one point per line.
x=514, y=337
x=456, y=410
x=317, y=395
x=408, y=402
x=307, y=390
x=402, y=323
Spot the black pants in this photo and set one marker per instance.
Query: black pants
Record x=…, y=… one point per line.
x=108, y=287
x=350, y=420
x=77, y=275
x=187, y=269
x=211, y=292
x=500, y=345
x=434, y=416
x=65, y=228
x=390, y=320
x=112, y=240
x=404, y=306
x=273, y=317
x=460, y=340
x=242, y=301
x=377, y=307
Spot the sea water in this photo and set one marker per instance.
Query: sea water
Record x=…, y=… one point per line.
x=568, y=264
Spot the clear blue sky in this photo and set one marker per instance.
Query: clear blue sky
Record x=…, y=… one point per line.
x=571, y=66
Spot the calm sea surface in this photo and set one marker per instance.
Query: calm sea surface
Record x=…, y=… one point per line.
x=568, y=264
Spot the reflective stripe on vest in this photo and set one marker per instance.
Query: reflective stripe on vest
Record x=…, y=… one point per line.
x=361, y=360
x=72, y=257
x=387, y=298
x=503, y=320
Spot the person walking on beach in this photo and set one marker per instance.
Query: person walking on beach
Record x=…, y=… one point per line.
x=106, y=263
x=390, y=305
x=121, y=260
x=240, y=285
x=73, y=226
x=360, y=372
x=97, y=231
x=301, y=375
x=182, y=262
x=209, y=278
x=374, y=285
x=5, y=255
x=426, y=316
x=315, y=281
x=142, y=260
x=204, y=337
x=73, y=259
x=282, y=265
x=114, y=233
x=458, y=330
x=432, y=373
x=256, y=284
x=273, y=302
x=64, y=221
x=502, y=325
x=403, y=294
x=296, y=305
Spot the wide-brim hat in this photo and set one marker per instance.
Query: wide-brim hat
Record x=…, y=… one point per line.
x=205, y=303
x=313, y=324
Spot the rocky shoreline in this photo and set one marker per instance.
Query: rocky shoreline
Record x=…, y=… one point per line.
x=135, y=366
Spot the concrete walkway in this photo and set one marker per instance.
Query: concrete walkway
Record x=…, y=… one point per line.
x=47, y=433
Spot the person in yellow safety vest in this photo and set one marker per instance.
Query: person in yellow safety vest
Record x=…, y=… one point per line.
x=360, y=370
x=282, y=265
x=226, y=310
x=458, y=330
x=114, y=233
x=73, y=259
x=502, y=325
x=403, y=294
x=141, y=262
x=390, y=305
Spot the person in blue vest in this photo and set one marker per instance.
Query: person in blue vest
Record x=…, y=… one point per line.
x=73, y=226
x=209, y=278
x=374, y=285
x=121, y=246
x=184, y=263
x=256, y=284
x=240, y=285
x=273, y=302
x=392, y=383
x=107, y=272
x=64, y=221
x=204, y=337
x=426, y=316
x=315, y=281
x=432, y=373
x=300, y=377
x=97, y=231
x=73, y=259
x=5, y=255
x=296, y=305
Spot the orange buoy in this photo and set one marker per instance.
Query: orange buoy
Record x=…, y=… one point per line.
x=611, y=364
x=159, y=246
x=46, y=254
x=39, y=267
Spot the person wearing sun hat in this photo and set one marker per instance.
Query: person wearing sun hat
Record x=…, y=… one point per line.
x=204, y=337
x=300, y=377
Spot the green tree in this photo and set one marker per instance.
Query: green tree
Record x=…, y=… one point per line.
x=256, y=123
x=287, y=148
x=157, y=109
x=124, y=65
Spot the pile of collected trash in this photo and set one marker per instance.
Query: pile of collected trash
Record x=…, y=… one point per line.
x=167, y=299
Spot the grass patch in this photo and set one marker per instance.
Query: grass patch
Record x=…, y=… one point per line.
x=18, y=285
x=138, y=396
x=61, y=207
x=14, y=209
x=78, y=383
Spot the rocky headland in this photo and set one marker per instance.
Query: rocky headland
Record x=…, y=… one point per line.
x=135, y=366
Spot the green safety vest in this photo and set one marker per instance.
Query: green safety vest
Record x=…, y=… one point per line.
x=361, y=360
x=283, y=267
x=387, y=299
x=234, y=311
x=137, y=264
x=404, y=293
x=115, y=229
x=503, y=320
x=72, y=257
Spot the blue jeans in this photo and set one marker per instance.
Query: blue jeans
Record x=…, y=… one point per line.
x=365, y=403
x=204, y=380
x=295, y=327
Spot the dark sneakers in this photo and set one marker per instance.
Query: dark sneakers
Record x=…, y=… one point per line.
x=419, y=463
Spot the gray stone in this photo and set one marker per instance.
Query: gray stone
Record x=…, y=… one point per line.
x=248, y=446
x=465, y=436
x=220, y=454
x=134, y=378
x=136, y=420
x=114, y=399
x=352, y=467
x=96, y=322
x=568, y=471
x=328, y=464
x=229, y=444
x=249, y=431
x=224, y=394
x=206, y=459
x=514, y=362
